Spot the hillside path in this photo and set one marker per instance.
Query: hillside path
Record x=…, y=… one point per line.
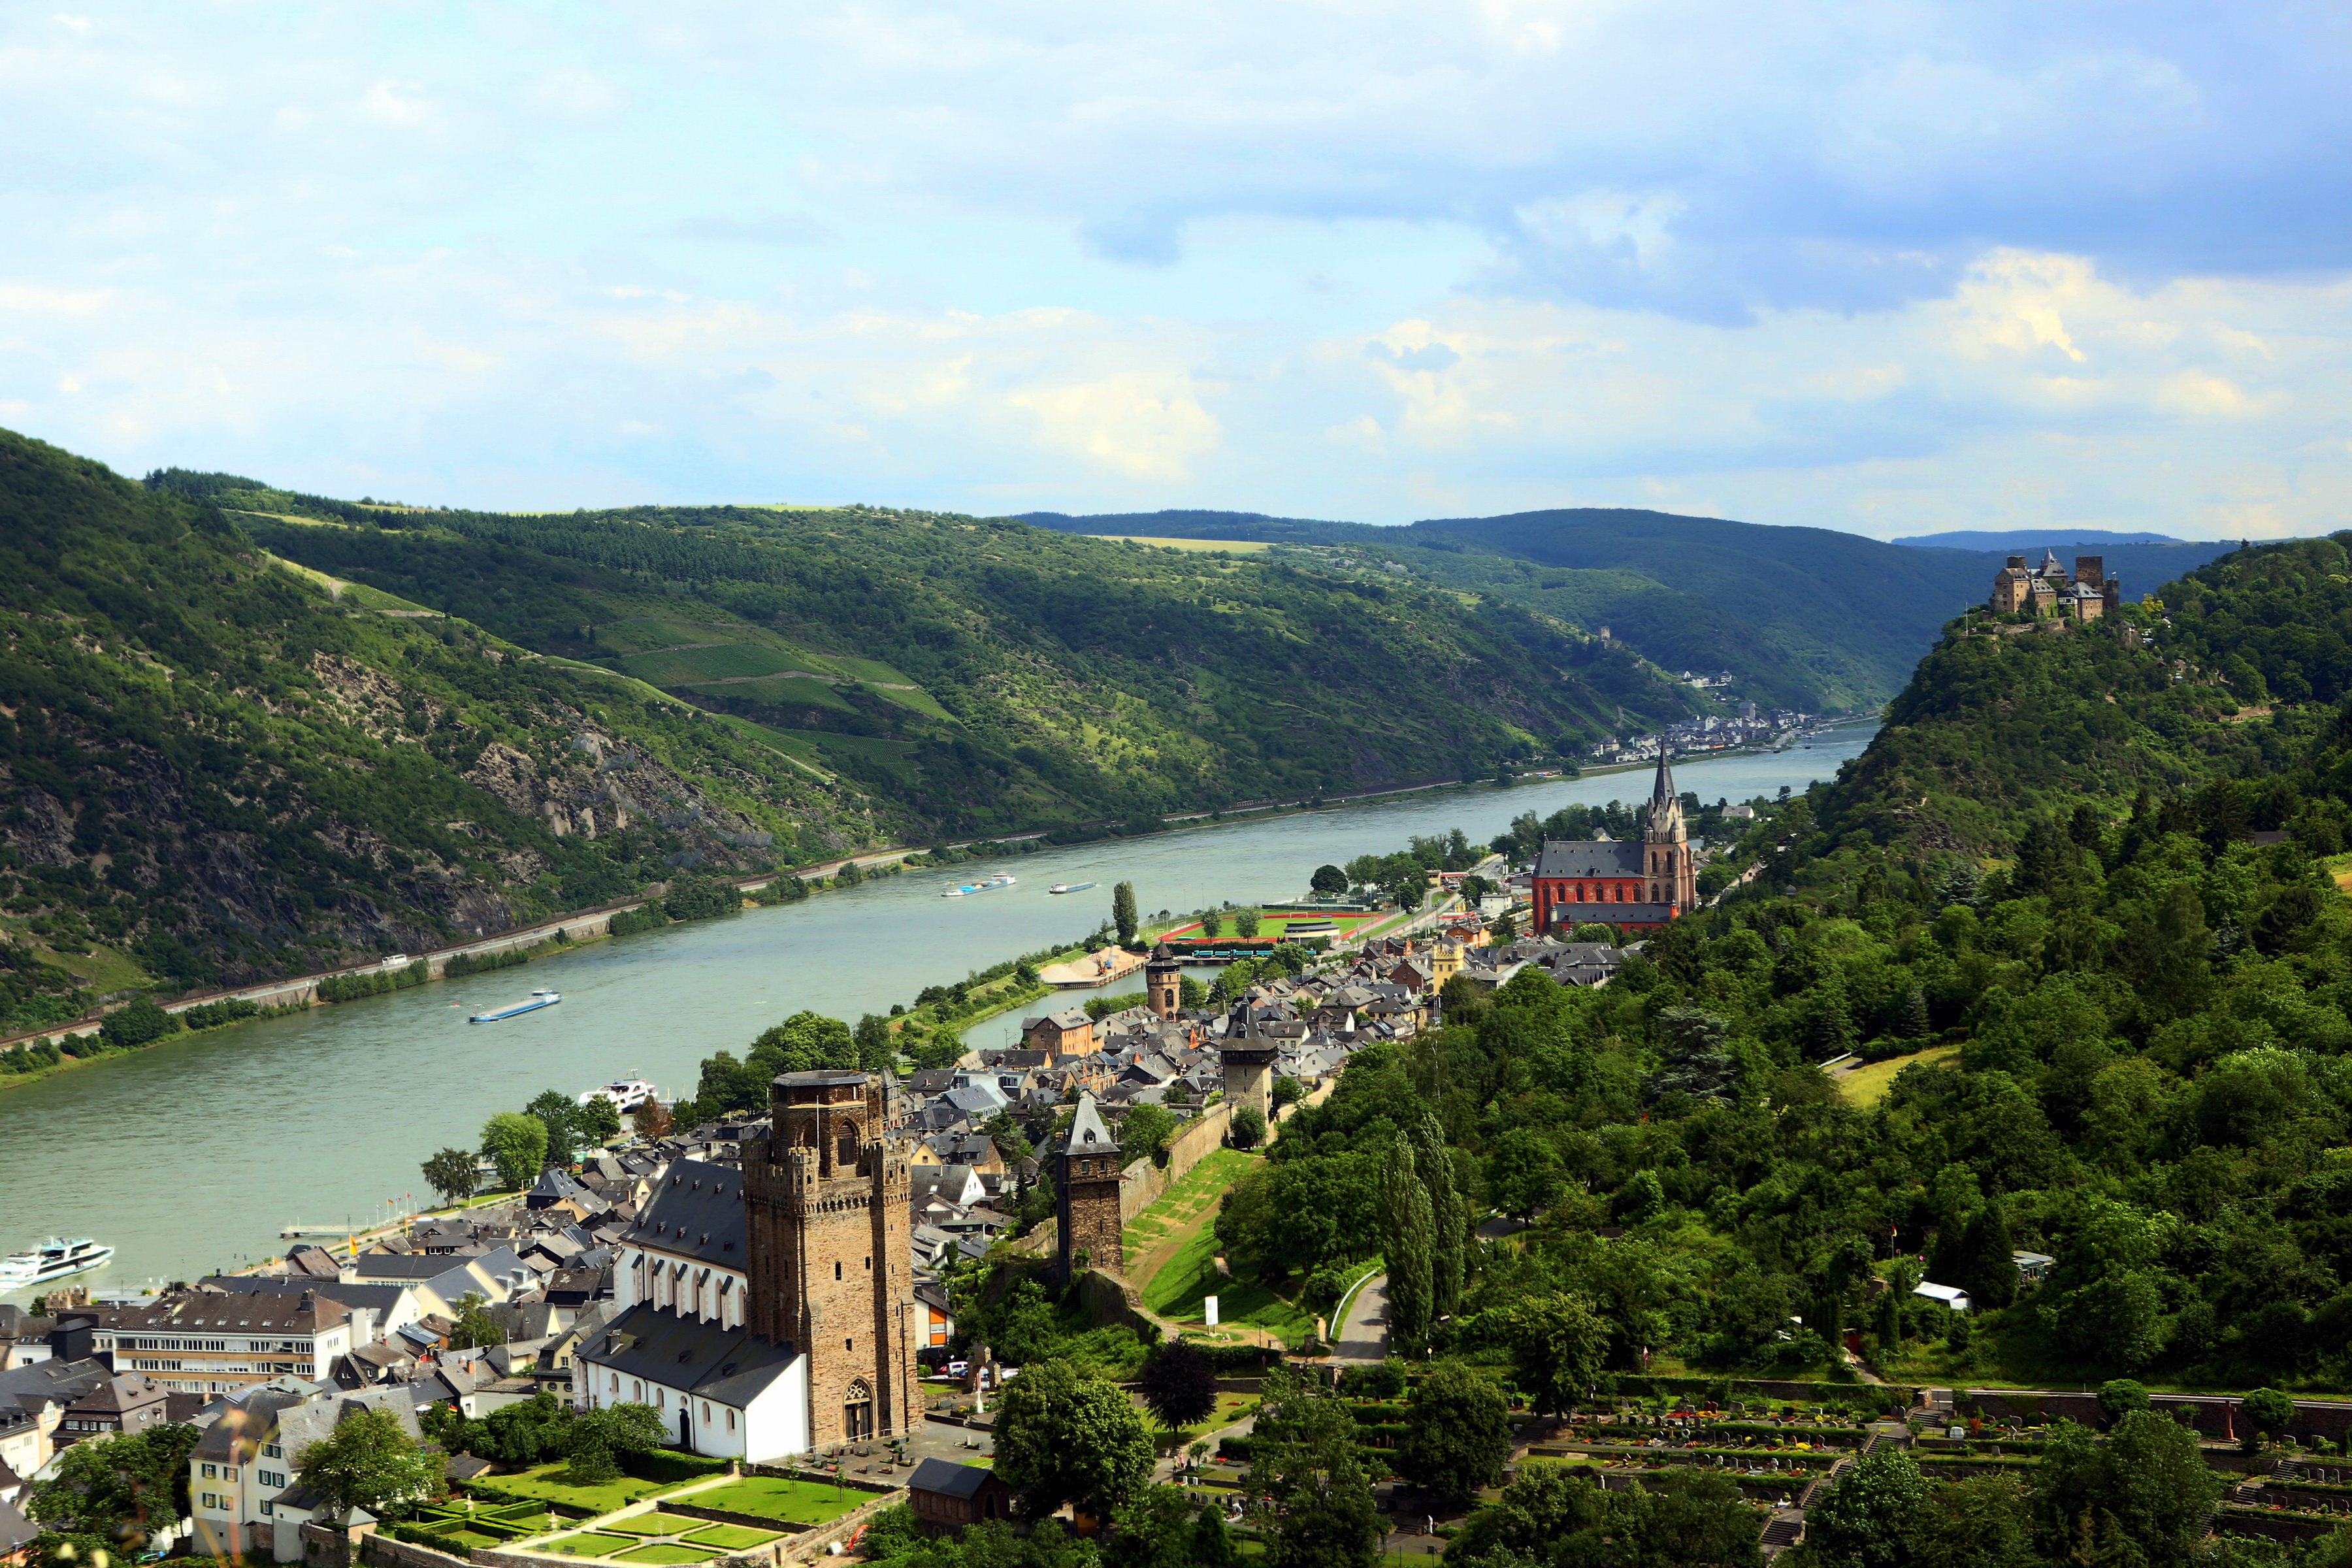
x=1365, y=1335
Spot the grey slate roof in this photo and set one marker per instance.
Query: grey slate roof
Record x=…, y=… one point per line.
x=696, y=1212
x=59, y=1382
x=1087, y=1133
x=1584, y=857
x=945, y=1478
x=733, y=1366
x=377, y=1299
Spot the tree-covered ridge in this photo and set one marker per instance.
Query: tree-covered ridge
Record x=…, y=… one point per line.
x=215, y=772
x=1055, y=677
x=2227, y=675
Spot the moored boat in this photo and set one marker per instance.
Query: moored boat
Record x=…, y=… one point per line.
x=537, y=999
x=625, y=1093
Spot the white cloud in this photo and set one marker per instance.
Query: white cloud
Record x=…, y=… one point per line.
x=1886, y=268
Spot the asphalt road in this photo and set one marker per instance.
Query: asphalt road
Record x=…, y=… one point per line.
x=1363, y=1335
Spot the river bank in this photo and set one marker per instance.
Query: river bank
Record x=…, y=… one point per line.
x=214, y=1141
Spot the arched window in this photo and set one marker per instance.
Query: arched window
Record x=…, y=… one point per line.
x=858, y=1411
x=846, y=1151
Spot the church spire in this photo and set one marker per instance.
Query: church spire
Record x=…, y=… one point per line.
x=1663, y=791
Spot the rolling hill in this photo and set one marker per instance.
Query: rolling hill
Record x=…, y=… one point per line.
x=983, y=675
x=218, y=766
x=1803, y=617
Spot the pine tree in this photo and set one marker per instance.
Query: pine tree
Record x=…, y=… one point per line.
x=1916, y=1024
x=1449, y=1215
x=1987, y=1259
x=1406, y=1227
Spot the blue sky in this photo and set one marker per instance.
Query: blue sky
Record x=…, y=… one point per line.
x=1892, y=267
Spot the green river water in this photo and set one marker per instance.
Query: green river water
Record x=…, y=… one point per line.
x=189, y=1157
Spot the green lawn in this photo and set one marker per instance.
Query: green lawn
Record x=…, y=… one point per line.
x=651, y=1524
x=1180, y=1205
x=1231, y=1407
x=670, y=1552
x=541, y=1482
x=463, y=1541
x=588, y=1544
x=731, y=1537
x=1177, y=1290
x=786, y=1502
x=1866, y=1085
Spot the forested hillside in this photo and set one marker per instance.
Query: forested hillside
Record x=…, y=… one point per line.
x=2111, y=1028
x=1801, y=618
x=212, y=769
x=2234, y=675
x=986, y=675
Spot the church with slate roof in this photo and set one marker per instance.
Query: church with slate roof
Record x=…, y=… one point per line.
x=769, y=1309
x=1620, y=882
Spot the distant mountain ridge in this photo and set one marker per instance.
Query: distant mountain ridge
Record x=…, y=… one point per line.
x=2017, y=539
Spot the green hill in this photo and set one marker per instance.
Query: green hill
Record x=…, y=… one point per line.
x=219, y=767
x=985, y=674
x=1803, y=617
x=2235, y=676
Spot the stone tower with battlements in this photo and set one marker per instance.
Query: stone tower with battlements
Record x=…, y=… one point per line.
x=1665, y=846
x=1085, y=1195
x=829, y=1255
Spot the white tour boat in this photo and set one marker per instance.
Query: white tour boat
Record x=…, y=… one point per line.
x=53, y=1259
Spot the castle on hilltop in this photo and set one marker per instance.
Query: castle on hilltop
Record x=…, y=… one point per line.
x=2048, y=591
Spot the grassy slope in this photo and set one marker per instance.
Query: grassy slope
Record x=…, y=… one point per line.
x=213, y=772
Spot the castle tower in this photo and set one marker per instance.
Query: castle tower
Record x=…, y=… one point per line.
x=1085, y=1195
x=1665, y=846
x=1248, y=1061
x=1444, y=962
x=830, y=1252
x=1163, y=982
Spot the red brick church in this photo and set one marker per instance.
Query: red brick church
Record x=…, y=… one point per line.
x=1618, y=881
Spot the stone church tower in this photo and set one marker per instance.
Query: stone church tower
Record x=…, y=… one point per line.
x=1085, y=1195
x=1665, y=846
x=830, y=1265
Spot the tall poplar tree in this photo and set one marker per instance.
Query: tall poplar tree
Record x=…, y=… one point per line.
x=1406, y=1227
x=1122, y=910
x=1449, y=1215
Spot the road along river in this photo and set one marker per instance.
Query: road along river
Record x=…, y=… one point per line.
x=190, y=1156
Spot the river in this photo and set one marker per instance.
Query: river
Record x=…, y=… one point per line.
x=190, y=1156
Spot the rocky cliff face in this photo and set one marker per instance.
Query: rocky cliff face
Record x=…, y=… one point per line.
x=213, y=769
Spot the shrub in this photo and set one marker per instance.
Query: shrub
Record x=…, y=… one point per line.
x=645, y=917
x=668, y=1464
x=139, y=1024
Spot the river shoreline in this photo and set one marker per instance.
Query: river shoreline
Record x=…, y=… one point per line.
x=576, y=927
x=222, y=1139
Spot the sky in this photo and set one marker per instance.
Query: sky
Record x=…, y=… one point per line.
x=1892, y=267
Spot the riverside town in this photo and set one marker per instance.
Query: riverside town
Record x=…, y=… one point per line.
x=918, y=784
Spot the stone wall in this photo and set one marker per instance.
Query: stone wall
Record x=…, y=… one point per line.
x=380, y=1550
x=1140, y=1184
